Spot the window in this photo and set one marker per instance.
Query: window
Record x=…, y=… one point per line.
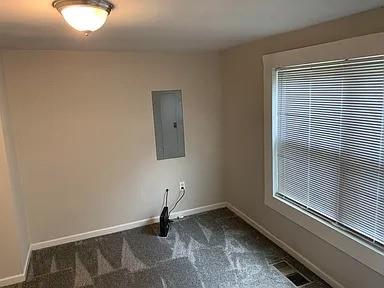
x=328, y=155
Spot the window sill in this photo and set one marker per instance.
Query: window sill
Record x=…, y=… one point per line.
x=349, y=48
x=342, y=240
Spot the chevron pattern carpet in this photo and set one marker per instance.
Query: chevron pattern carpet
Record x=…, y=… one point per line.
x=209, y=250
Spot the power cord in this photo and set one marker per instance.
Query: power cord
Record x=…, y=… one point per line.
x=165, y=199
x=178, y=200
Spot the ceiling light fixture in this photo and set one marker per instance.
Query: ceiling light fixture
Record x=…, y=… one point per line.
x=84, y=15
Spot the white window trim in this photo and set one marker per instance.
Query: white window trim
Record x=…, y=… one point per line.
x=350, y=48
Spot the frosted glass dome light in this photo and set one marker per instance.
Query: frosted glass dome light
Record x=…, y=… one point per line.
x=84, y=15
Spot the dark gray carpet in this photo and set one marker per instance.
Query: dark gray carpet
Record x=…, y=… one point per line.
x=209, y=250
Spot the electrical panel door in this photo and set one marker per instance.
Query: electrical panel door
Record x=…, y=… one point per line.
x=169, y=126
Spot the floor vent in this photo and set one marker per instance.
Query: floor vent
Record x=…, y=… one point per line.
x=291, y=273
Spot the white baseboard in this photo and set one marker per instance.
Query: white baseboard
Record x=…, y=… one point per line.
x=118, y=228
x=100, y=232
x=12, y=280
x=26, y=264
x=91, y=234
x=122, y=227
x=199, y=209
x=20, y=277
x=307, y=263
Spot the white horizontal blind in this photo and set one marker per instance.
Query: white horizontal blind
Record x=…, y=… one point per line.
x=330, y=146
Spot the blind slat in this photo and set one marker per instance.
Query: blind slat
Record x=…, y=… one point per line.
x=330, y=142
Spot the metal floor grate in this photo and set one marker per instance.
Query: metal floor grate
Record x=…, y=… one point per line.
x=292, y=274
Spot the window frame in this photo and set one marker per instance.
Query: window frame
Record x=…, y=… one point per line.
x=363, y=46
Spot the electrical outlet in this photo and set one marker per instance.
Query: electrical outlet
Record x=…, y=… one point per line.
x=182, y=185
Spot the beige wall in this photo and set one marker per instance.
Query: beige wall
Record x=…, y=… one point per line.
x=84, y=135
x=243, y=137
x=14, y=240
x=10, y=263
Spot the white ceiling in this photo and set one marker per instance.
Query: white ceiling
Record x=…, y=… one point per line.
x=168, y=24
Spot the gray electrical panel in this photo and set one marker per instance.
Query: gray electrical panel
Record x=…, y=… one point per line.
x=169, y=126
